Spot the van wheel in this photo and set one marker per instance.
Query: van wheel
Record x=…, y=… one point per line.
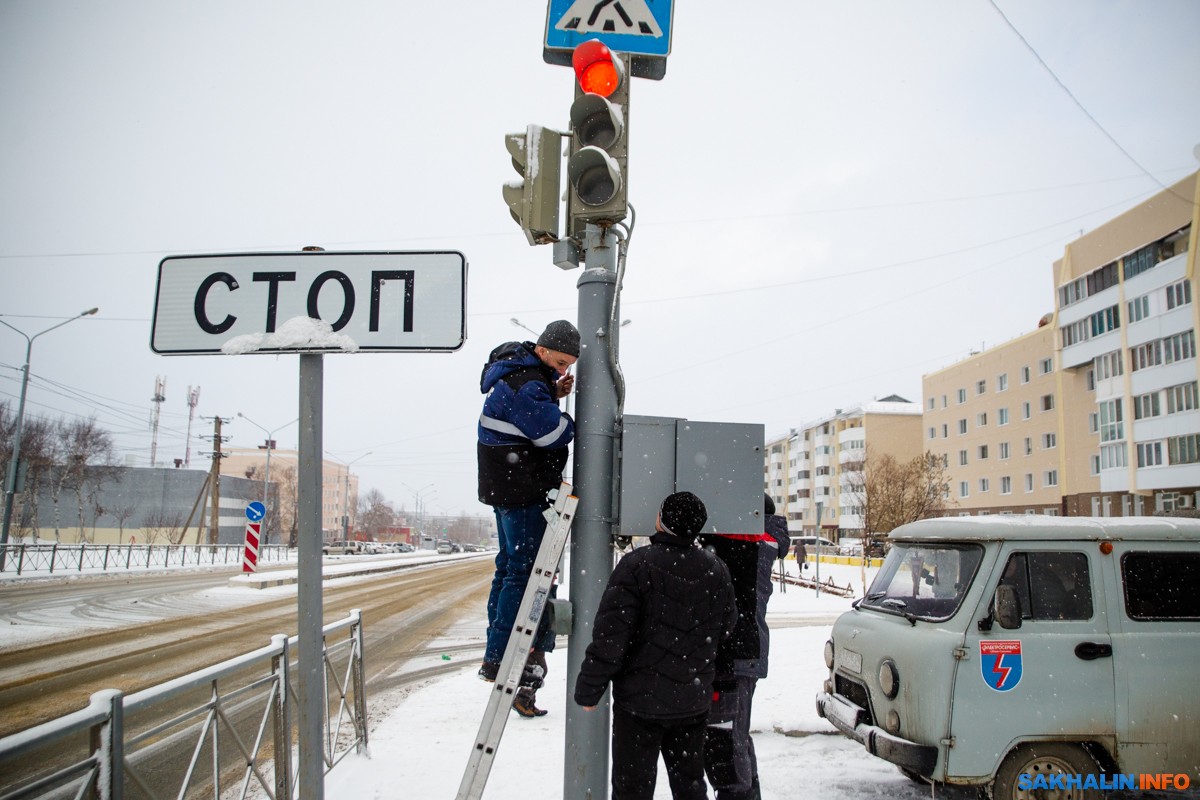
x=1045, y=759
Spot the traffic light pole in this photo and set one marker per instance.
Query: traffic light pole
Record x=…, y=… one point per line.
x=585, y=768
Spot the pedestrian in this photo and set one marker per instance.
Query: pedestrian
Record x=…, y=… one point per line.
x=729, y=758
x=801, y=556
x=666, y=607
x=522, y=450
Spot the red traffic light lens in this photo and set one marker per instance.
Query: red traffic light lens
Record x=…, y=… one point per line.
x=595, y=68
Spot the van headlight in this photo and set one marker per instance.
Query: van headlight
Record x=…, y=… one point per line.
x=889, y=679
x=829, y=654
x=892, y=722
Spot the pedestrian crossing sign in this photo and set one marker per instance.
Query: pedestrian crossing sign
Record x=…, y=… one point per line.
x=641, y=28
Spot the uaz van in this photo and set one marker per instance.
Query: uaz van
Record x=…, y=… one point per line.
x=1024, y=653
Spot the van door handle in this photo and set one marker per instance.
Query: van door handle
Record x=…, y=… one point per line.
x=1089, y=651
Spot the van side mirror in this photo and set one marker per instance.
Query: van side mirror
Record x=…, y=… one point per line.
x=1008, y=607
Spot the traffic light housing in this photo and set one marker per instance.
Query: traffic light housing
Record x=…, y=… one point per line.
x=533, y=198
x=597, y=167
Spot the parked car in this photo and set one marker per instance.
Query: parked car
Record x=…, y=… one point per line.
x=342, y=548
x=445, y=548
x=1019, y=653
x=404, y=547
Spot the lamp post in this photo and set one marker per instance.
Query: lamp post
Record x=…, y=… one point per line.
x=10, y=483
x=417, y=501
x=346, y=491
x=270, y=447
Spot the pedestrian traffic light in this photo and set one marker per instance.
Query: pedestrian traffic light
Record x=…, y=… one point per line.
x=533, y=198
x=597, y=168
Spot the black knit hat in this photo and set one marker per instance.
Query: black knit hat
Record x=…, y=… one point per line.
x=561, y=336
x=683, y=514
x=768, y=503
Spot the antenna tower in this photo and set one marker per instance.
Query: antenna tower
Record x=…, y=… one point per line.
x=160, y=388
x=193, y=397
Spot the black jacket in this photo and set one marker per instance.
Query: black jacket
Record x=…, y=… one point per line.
x=751, y=566
x=655, y=636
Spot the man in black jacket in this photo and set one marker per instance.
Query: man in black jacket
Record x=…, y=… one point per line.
x=729, y=758
x=655, y=638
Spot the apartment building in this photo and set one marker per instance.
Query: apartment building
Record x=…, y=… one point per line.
x=803, y=470
x=1001, y=422
x=1096, y=412
x=339, y=486
x=1127, y=323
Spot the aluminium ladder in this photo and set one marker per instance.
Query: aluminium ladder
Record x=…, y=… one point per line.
x=508, y=678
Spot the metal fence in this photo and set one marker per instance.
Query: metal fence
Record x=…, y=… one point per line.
x=118, y=762
x=53, y=557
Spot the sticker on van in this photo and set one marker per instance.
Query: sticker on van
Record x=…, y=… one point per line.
x=1000, y=662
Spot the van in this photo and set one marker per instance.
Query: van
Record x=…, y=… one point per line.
x=810, y=544
x=344, y=548
x=1023, y=653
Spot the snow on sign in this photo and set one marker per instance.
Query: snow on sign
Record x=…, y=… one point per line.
x=310, y=302
x=640, y=27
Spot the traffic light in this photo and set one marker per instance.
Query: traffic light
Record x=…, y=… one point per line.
x=533, y=199
x=597, y=168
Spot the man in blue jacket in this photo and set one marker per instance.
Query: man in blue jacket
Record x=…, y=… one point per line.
x=522, y=449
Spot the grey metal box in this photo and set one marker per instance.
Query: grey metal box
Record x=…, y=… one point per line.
x=721, y=462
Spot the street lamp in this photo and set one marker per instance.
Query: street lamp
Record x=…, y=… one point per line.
x=346, y=491
x=270, y=447
x=10, y=483
x=417, y=501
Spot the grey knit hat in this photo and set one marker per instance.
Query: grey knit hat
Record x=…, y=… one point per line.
x=683, y=514
x=561, y=336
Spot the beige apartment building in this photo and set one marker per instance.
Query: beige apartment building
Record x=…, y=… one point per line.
x=803, y=469
x=339, y=485
x=1096, y=412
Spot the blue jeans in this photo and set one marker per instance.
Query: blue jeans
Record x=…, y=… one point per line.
x=520, y=530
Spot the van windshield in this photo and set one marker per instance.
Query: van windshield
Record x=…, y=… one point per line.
x=923, y=581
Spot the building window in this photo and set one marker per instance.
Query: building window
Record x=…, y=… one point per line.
x=1145, y=355
x=1179, y=294
x=1091, y=380
x=962, y=458
x=1029, y=481
x=983, y=451
x=981, y=419
x=1026, y=410
x=1028, y=446
x=1139, y=308
x=1095, y=465
x=964, y=489
x=1073, y=292
x=984, y=485
x=1094, y=422
x=1047, y=402
x=1146, y=405
x=1139, y=261
x=1182, y=398
x=1025, y=375
x=1149, y=454
x=1049, y=441
x=1004, y=451
x=962, y=426
x=962, y=396
x=1184, y=449
x=1002, y=382
x=1112, y=456
x=1112, y=425
x=1105, y=320
x=1100, y=279
x=1005, y=485
x=1108, y=365
x=933, y=433
x=931, y=404
x=1051, y=477
x=981, y=387
x=1179, y=347
x=945, y=431
x=1046, y=366
x=1002, y=416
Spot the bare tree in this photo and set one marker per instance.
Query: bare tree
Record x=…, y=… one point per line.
x=377, y=513
x=77, y=445
x=36, y=459
x=288, y=502
x=891, y=493
x=161, y=524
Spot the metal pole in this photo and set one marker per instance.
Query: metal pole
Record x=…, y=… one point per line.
x=585, y=769
x=10, y=482
x=310, y=774
x=817, y=577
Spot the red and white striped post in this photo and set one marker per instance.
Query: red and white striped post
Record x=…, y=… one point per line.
x=254, y=513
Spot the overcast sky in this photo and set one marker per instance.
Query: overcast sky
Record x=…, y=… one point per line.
x=832, y=198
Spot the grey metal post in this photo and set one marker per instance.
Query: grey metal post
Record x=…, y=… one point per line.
x=585, y=769
x=310, y=776
x=281, y=720
x=817, y=544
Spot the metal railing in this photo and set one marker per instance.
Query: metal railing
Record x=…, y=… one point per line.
x=118, y=759
x=53, y=557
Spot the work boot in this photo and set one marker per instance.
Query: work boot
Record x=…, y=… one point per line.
x=534, y=673
x=488, y=671
x=525, y=706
